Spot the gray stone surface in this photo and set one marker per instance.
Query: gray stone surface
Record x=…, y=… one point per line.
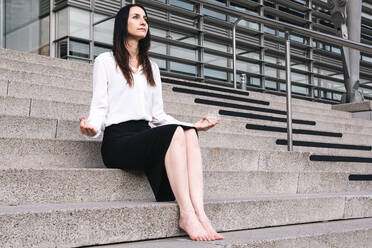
x=340, y=234
x=67, y=225
x=42, y=92
x=353, y=107
x=14, y=106
x=37, y=153
x=23, y=127
x=36, y=78
x=44, y=60
x=69, y=74
x=3, y=87
x=34, y=186
x=310, y=182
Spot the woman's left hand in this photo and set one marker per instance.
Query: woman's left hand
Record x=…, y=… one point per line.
x=204, y=126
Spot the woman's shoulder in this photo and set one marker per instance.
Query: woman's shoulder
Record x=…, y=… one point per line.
x=104, y=56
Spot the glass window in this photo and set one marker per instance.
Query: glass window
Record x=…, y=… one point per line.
x=268, y=30
x=62, y=23
x=183, y=68
x=103, y=32
x=254, y=81
x=183, y=52
x=215, y=74
x=62, y=49
x=158, y=47
x=248, y=67
x=270, y=84
x=249, y=25
x=187, y=38
x=215, y=46
x=79, y=49
x=79, y=23
x=273, y=72
x=98, y=50
x=215, y=59
x=297, y=77
x=158, y=32
x=214, y=14
x=248, y=54
x=23, y=27
x=300, y=90
x=162, y=63
x=182, y=4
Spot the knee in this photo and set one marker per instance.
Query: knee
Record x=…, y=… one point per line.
x=179, y=138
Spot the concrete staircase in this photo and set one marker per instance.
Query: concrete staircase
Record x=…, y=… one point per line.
x=56, y=192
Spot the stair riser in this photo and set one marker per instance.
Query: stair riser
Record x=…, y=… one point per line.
x=18, y=66
x=24, y=89
x=85, y=226
x=26, y=153
x=35, y=78
x=358, y=238
x=44, y=60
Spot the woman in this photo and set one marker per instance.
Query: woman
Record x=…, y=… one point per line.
x=127, y=95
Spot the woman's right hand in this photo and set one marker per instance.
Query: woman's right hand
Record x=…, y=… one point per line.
x=87, y=129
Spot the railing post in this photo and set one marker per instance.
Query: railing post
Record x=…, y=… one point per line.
x=91, y=47
x=289, y=90
x=52, y=29
x=234, y=49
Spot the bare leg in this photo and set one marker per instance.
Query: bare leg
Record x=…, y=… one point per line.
x=195, y=175
x=176, y=168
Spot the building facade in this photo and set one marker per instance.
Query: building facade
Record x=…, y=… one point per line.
x=192, y=41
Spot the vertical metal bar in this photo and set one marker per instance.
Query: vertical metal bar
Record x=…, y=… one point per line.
x=91, y=47
x=2, y=18
x=289, y=90
x=52, y=29
x=234, y=54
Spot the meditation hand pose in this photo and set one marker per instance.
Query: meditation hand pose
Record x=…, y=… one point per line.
x=127, y=96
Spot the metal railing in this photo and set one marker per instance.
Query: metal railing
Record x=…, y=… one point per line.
x=282, y=26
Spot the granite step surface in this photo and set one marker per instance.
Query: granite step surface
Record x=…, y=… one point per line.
x=90, y=223
x=341, y=234
x=37, y=186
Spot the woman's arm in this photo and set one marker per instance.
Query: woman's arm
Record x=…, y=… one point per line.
x=99, y=103
x=159, y=117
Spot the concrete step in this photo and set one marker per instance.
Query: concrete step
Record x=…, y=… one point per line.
x=70, y=111
x=43, y=91
x=34, y=186
x=341, y=234
x=69, y=130
x=169, y=92
x=52, y=153
x=22, y=66
x=79, y=224
x=49, y=153
x=42, y=79
x=40, y=92
x=45, y=128
x=28, y=127
x=252, y=94
x=44, y=60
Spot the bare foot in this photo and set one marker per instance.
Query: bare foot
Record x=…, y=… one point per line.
x=203, y=219
x=191, y=225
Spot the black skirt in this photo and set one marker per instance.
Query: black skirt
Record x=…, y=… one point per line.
x=134, y=145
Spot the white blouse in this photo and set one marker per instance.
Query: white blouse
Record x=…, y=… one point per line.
x=113, y=101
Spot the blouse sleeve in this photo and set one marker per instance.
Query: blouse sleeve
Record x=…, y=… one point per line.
x=99, y=103
x=159, y=117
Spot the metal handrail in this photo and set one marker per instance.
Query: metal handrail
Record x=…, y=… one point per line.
x=288, y=29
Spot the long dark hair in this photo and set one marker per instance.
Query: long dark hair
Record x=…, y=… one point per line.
x=120, y=52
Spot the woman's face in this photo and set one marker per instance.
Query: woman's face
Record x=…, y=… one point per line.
x=137, y=23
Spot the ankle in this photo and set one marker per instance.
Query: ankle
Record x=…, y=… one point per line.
x=186, y=212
